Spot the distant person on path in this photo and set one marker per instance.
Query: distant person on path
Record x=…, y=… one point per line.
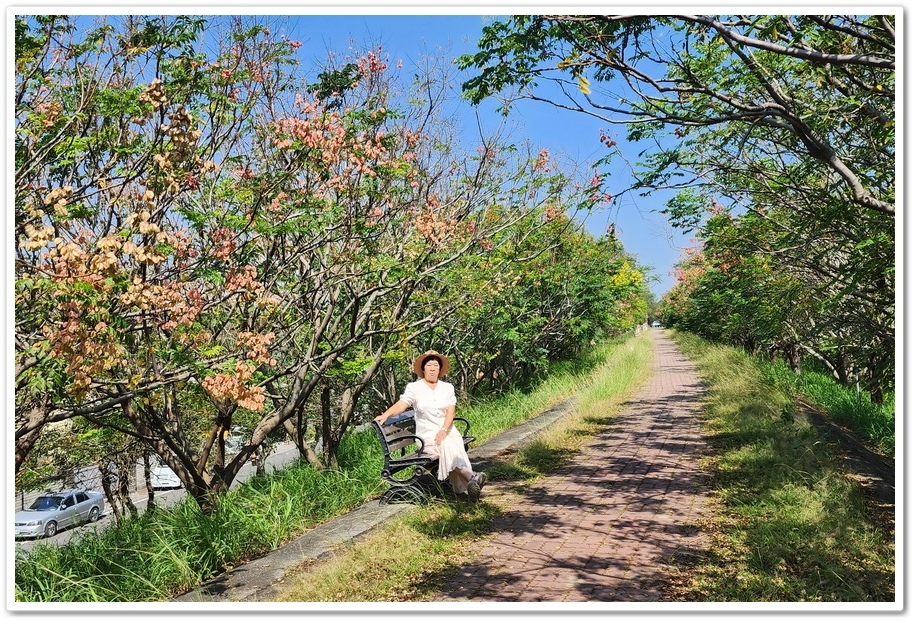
x=433, y=401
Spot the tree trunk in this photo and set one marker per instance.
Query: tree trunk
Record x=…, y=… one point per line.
x=793, y=357
x=328, y=439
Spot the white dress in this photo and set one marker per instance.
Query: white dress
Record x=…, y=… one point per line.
x=430, y=406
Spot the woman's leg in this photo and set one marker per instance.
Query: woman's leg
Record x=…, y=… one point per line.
x=459, y=479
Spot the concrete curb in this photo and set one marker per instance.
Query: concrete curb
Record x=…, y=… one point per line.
x=260, y=579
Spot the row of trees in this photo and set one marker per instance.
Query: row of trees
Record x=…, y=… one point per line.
x=776, y=135
x=210, y=236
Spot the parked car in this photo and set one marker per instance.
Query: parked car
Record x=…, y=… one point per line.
x=236, y=438
x=657, y=325
x=51, y=512
x=162, y=477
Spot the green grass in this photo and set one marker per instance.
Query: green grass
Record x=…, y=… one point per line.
x=443, y=536
x=874, y=424
x=172, y=550
x=790, y=525
x=169, y=551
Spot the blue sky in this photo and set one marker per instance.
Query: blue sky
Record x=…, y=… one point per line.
x=570, y=137
x=406, y=33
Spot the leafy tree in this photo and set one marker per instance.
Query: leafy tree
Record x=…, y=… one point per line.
x=788, y=121
x=208, y=239
x=801, y=86
x=147, y=295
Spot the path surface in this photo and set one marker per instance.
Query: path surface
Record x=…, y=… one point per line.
x=604, y=528
x=601, y=530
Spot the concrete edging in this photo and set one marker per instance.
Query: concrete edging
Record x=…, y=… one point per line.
x=257, y=580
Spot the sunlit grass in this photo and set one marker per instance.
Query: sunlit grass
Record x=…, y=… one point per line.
x=790, y=525
x=627, y=367
x=564, y=380
x=413, y=557
x=402, y=561
x=874, y=424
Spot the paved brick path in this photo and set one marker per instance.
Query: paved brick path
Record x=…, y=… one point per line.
x=604, y=528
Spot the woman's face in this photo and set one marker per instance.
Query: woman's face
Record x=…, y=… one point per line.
x=431, y=369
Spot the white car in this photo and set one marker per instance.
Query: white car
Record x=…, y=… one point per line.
x=236, y=439
x=162, y=477
x=51, y=512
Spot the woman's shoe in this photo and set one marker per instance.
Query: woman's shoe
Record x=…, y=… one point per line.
x=474, y=489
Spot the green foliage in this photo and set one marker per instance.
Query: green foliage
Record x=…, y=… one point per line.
x=333, y=82
x=798, y=148
x=523, y=39
x=775, y=283
x=171, y=550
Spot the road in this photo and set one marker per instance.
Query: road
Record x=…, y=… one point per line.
x=285, y=453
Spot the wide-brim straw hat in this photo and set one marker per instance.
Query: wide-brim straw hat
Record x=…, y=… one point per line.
x=444, y=363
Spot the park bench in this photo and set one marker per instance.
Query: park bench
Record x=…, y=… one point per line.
x=405, y=463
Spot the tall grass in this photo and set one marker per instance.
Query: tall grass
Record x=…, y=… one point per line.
x=875, y=424
x=171, y=550
x=167, y=551
x=790, y=525
x=443, y=536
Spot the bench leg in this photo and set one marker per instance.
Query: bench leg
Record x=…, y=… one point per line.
x=413, y=490
x=406, y=494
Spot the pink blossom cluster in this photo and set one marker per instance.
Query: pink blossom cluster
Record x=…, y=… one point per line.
x=606, y=140
x=276, y=204
x=224, y=243
x=543, y=161
x=184, y=310
x=434, y=227
x=371, y=63
x=233, y=387
x=50, y=113
x=324, y=134
x=69, y=263
x=148, y=296
x=257, y=345
x=244, y=281
x=84, y=345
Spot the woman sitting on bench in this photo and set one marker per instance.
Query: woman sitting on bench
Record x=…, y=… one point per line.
x=433, y=401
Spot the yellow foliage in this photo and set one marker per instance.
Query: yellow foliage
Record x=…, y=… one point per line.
x=584, y=85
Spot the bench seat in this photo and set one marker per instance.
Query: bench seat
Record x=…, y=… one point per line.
x=405, y=462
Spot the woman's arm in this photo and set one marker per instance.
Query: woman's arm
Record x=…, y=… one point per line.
x=447, y=425
x=399, y=407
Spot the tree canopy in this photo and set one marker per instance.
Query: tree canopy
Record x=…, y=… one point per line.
x=785, y=122
x=211, y=237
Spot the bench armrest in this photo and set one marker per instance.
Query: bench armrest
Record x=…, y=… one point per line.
x=464, y=427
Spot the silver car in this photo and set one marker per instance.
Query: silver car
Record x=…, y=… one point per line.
x=51, y=512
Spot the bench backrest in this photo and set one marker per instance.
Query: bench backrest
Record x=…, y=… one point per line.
x=398, y=433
